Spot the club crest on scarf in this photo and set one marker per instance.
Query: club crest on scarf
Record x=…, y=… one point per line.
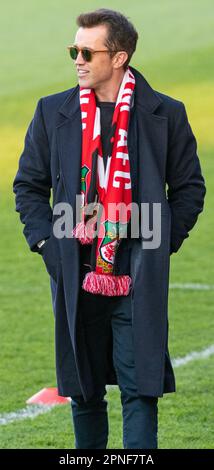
x=105, y=187
x=109, y=244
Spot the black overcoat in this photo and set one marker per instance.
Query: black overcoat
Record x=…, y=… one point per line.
x=165, y=169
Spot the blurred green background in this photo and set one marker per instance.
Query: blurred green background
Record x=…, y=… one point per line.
x=175, y=54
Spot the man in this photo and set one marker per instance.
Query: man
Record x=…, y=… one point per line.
x=112, y=138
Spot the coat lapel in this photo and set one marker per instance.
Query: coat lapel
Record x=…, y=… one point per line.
x=69, y=141
x=151, y=134
x=150, y=128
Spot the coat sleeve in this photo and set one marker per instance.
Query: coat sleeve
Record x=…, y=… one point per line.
x=32, y=183
x=186, y=185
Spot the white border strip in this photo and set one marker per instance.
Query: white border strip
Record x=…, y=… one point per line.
x=32, y=411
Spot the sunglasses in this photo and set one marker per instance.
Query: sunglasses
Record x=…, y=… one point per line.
x=87, y=53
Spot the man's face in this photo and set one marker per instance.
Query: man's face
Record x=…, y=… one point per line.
x=99, y=71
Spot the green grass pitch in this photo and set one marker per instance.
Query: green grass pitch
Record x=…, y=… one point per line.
x=175, y=53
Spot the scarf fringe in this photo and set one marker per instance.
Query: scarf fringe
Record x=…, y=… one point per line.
x=106, y=284
x=84, y=233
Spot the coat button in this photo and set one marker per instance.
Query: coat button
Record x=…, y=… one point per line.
x=58, y=176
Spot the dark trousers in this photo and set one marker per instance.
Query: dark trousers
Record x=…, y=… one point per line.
x=139, y=413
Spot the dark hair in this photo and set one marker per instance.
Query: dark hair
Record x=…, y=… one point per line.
x=122, y=35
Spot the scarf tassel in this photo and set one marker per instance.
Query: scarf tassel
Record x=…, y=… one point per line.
x=106, y=284
x=84, y=232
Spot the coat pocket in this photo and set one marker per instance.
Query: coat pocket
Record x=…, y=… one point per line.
x=50, y=255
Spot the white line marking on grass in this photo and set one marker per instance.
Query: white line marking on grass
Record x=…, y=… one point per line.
x=181, y=361
x=32, y=411
x=191, y=286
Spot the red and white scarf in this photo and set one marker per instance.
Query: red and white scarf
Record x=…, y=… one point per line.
x=112, y=185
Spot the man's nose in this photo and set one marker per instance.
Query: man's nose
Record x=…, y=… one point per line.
x=79, y=60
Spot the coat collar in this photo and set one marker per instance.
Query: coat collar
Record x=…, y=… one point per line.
x=145, y=97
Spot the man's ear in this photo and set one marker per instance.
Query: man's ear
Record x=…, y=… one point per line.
x=119, y=59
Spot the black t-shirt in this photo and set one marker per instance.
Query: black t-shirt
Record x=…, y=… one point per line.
x=106, y=115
